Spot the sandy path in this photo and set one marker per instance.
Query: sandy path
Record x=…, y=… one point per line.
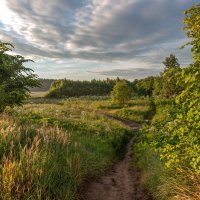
x=122, y=182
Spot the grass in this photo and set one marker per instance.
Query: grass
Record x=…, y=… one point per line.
x=48, y=149
x=137, y=110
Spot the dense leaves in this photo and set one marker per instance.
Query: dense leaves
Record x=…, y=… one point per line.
x=171, y=62
x=145, y=86
x=192, y=27
x=122, y=92
x=172, y=140
x=185, y=129
x=15, y=78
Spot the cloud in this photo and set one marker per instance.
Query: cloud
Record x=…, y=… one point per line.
x=129, y=73
x=95, y=30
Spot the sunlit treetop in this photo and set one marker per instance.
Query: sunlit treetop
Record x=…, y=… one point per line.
x=192, y=27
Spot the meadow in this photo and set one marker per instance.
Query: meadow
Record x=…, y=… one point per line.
x=49, y=147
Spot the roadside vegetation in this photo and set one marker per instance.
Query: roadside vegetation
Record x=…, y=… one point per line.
x=168, y=149
x=168, y=155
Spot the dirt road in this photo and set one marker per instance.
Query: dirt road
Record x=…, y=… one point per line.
x=122, y=182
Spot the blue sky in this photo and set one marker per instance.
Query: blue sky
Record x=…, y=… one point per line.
x=86, y=39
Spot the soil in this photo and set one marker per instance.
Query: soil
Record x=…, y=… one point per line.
x=122, y=182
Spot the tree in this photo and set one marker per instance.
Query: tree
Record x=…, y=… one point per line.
x=170, y=77
x=191, y=74
x=145, y=86
x=171, y=62
x=192, y=27
x=121, y=92
x=15, y=79
x=184, y=131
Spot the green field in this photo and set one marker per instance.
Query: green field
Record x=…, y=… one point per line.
x=50, y=147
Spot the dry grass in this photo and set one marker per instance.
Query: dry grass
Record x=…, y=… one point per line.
x=25, y=153
x=184, y=185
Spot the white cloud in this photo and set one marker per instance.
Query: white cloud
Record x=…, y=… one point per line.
x=100, y=31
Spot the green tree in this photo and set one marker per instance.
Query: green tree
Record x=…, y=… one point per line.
x=192, y=27
x=171, y=62
x=15, y=79
x=121, y=92
x=145, y=86
x=170, y=77
x=183, y=134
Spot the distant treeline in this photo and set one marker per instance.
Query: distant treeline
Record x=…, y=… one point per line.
x=168, y=84
x=45, y=85
x=70, y=88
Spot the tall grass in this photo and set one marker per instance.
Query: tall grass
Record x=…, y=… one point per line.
x=48, y=150
x=34, y=161
x=184, y=185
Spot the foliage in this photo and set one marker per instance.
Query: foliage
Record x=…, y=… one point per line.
x=158, y=88
x=15, y=79
x=144, y=87
x=171, y=62
x=192, y=24
x=70, y=88
x=171, y=82
x=121, y=92
x=184, y=131
x=172, y=141
x=166, y=157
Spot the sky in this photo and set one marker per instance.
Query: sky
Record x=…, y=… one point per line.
x=87, y=39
